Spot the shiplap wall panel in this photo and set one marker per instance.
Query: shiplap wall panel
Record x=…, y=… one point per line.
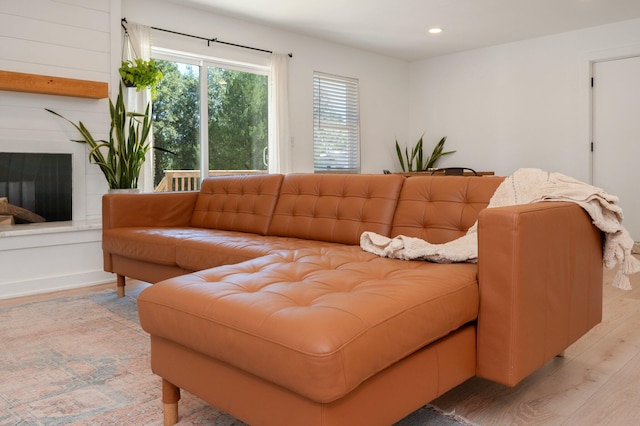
x=103, y=5
x=92, y=14
x=19, y=120
x=52, y=70
x=77, y=39
x=63, y=57
x=59, y=38
x=63, y=38
x=54, y=34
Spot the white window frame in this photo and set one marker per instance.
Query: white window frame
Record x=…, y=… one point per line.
x=336, y=124
x=203, y=62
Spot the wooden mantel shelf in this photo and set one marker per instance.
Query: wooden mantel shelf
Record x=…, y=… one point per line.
x=48, y=85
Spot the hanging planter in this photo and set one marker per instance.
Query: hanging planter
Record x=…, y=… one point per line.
x=141, y=74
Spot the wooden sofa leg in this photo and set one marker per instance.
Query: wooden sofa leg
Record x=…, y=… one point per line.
x=121, y=282
x=170, y=398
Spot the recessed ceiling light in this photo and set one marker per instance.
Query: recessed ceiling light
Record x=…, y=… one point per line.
x=435, y=30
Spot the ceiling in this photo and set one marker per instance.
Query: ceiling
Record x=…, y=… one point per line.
x=399, y=28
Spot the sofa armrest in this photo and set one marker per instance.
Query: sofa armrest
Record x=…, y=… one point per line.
x=540, y=282
x=148, y=209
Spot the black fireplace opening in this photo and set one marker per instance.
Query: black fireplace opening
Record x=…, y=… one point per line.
x=38, y=182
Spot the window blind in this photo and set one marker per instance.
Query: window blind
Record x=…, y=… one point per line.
x=336, y=124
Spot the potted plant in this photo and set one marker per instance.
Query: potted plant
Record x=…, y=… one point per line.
x=141, y=74
x=121, y=157
x=418, y=156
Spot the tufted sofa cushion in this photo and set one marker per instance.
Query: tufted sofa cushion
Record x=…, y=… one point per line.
x=335, y=208
x=154, y=245
x=316, y=321
x=439, y=209
x=214, y=248
x=238, y=203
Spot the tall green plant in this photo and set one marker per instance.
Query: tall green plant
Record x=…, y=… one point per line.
x=121, y=158
x=416, y=155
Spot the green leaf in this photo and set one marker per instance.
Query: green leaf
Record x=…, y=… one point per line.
x=121, y=157
x=417, y=155
x=419, y=161
x=438, y=152
x=141, y=74
x=399, y=153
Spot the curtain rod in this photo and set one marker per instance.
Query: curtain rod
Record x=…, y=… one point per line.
x=208, y=40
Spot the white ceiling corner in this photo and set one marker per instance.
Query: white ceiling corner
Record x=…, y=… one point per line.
x=398, y=28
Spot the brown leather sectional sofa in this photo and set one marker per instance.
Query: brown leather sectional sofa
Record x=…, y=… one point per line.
x=266, y=307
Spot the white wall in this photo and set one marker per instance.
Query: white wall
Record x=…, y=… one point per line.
x=69, y=39
x=72, y=39
x=524, y=104
x=383, y=81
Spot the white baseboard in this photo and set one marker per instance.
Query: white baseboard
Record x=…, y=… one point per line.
x=50, y=284
x=53, y=256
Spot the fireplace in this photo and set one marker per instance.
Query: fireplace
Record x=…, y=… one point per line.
x=40, y=183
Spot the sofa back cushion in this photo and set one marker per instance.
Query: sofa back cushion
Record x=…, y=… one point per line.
x=237, y=203
x=335, y=207
x=439, y=209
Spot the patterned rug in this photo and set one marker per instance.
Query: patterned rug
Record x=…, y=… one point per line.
x=84, y=360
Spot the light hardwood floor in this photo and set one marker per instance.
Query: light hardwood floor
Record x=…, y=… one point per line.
x=134, y=288
x=597, y=382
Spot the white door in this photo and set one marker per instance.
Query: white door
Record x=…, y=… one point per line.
x=616, y=135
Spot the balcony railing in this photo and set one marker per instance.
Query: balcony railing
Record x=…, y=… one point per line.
x=189, y=180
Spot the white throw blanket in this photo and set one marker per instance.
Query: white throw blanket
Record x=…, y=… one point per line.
x=525, y=186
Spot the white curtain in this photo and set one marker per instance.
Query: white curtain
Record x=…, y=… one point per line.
x=279, y=140
x=137, y=44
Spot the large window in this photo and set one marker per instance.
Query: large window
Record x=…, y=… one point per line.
x=237, y=127
x=176, y=121
x=227, y=133
x=336, y=124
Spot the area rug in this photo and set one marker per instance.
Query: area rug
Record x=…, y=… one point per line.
x=84, y=360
